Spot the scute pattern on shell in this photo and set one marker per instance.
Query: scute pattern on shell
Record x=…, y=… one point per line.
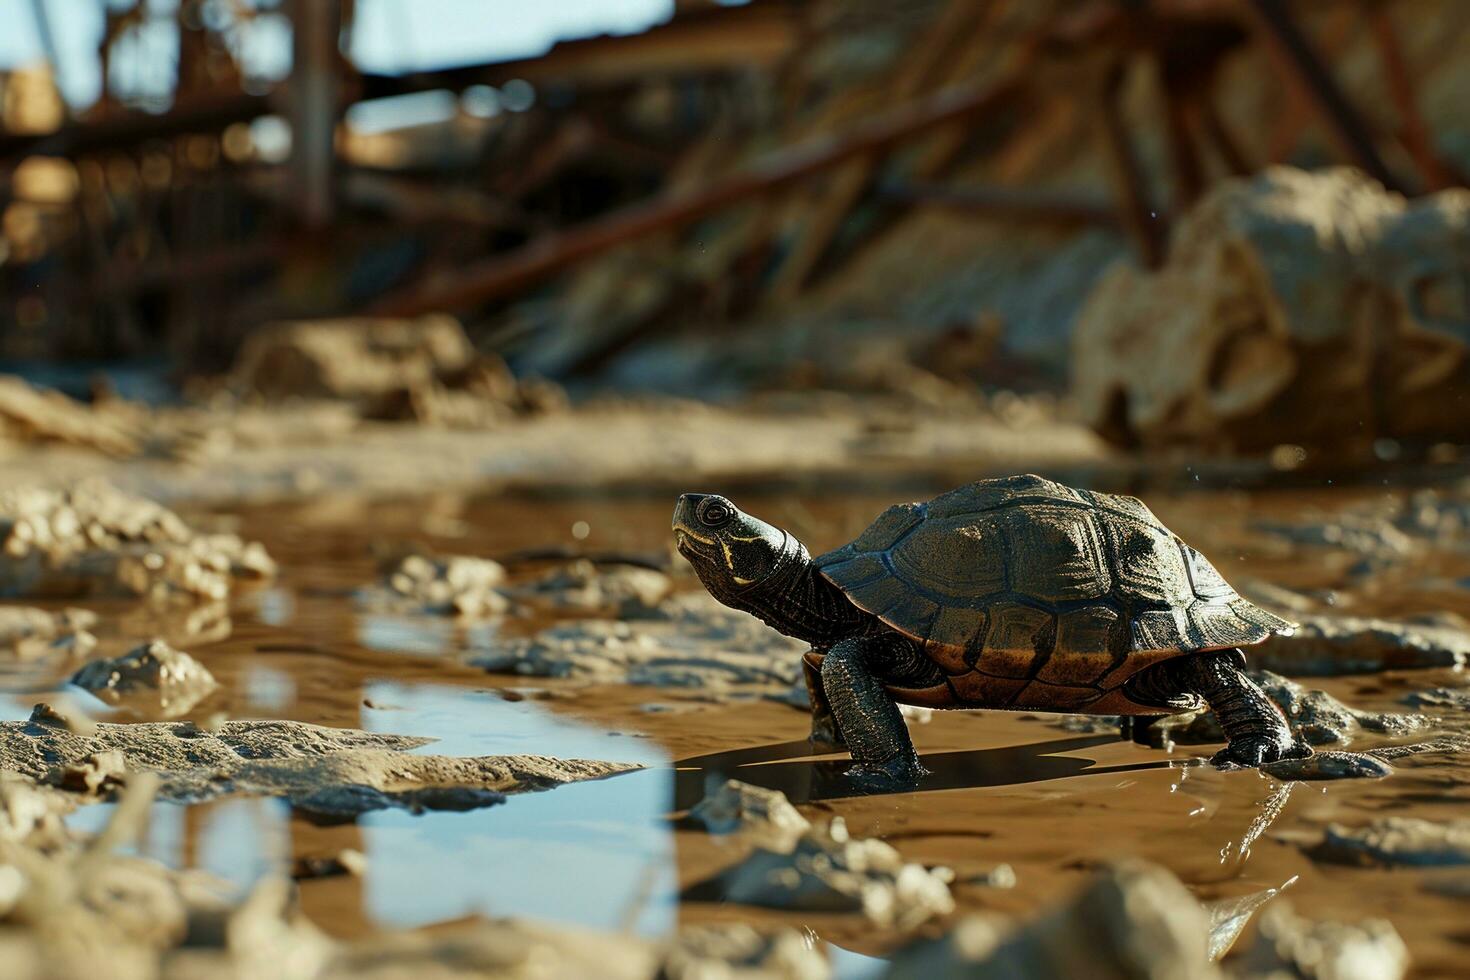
x=1031, y=594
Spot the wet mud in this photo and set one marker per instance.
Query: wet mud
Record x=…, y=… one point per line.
x=1016, y=821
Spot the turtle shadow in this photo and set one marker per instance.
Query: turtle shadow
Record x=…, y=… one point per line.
x=790, y=768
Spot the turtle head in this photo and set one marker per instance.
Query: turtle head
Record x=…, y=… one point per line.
x=731, y=551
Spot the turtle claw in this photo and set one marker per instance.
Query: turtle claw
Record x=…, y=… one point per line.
x=901, y=772
x=1252, y=752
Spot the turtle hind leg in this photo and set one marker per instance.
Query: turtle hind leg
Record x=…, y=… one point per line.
x=866, y=715
x=1256, y=731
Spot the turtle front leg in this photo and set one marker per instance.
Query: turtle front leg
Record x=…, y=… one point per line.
x=825, y=733
x=1255, y=729
x=866, y=715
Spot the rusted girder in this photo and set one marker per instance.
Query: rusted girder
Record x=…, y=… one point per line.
x=1300, y=64
x=502, y=274
x=1005, y=203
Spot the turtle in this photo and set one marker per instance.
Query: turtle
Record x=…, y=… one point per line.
x=1012, y=593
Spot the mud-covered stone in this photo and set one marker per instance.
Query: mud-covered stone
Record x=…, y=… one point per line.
x=826, y=870
x=1327, y=646
x=27, y=633
x=350, y=359
x=624, y=591
x=1276, y=303
x=1314, y=715
x=763, y=816
x=36, y=415
x=1397, y=841
x=97, y=539
x=740, y=952
x=1132, y=921
x=451, y=585
x=695, y=643
x=153, y=671
x=1290, y=945
x=326, y=772
x=1330, y=765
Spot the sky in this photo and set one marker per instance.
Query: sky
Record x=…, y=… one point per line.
x=391, y=36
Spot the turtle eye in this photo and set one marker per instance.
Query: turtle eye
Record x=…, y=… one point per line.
x=715, y=514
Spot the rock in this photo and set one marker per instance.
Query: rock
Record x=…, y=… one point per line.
x=697, y=643
x=155, y=670
x=763, y=816
x=1448, y=698
x=29, y=414
x=328, y=773
x=27, y=633
x=1087, y=724
x=1326, y=646
x=1397, y=841
x=825, y=870
x=96, y=539
x=622, y=591
x=1314, y=715
x=1133, y=921
x=350, y=359
x=345, y=862
x=97, y=775
x=454, y=585
x=1001, y=876
x=31, y=814
x=738, y=951
x=1289, y=310
x=1330, y=765
x=1288, y=945
x=1371, y=536
x=424, y=369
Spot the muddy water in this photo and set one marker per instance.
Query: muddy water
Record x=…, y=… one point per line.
x=1007, y=788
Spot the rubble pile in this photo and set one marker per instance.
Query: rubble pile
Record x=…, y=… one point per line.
x=94, y=538
x=423, y=369
x=454, y=585
x=1299, y=308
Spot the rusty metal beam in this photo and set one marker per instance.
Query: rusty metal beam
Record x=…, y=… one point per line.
x=312, y=106
x=1005, y=203
x=1301, y=66
x=502, y=274
x=1137, y=214
x=79, y=139
x=1413, y=130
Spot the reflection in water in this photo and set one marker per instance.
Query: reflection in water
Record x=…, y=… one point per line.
x=598, y=853
x=268, y=689
x=239, y=840
x=1240, y=851
x=480, y=722
x=405, y=634
x=274, y=606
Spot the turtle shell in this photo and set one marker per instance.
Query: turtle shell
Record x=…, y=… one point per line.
x=1033, y=595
